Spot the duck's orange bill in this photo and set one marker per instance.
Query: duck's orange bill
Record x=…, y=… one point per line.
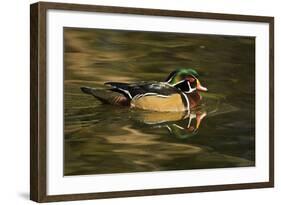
x=199, y=87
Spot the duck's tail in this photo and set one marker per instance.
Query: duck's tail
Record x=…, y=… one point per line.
x=87, y=90
x=107, y=96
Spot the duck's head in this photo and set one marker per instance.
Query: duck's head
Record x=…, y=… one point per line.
x=186, y=79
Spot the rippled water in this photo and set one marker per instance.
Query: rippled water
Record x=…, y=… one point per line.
x=107, y=139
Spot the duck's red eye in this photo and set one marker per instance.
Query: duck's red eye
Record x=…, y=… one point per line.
x=190, y=79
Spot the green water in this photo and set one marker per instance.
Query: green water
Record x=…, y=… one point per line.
x=100, y=139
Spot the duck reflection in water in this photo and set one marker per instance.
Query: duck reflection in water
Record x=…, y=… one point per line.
x=180, y=124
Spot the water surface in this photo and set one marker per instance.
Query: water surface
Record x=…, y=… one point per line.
x=100, y=139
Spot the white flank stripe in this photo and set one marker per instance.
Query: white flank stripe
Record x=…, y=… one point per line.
x=187, y=102
x=158, y=95
x=147, y=94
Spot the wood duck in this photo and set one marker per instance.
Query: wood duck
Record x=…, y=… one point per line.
x=179, y=92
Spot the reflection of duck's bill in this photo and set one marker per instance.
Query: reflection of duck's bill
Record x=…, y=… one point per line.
x=199, y=87
x=199, y=118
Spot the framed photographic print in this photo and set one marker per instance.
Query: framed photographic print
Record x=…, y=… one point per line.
x=134, y=102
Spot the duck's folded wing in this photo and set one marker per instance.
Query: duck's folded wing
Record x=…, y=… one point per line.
x=142, y=88
x=107, y=96
x=123, y=88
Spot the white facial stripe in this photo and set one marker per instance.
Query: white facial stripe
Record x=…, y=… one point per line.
x=190, y=89
x=189, y=86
